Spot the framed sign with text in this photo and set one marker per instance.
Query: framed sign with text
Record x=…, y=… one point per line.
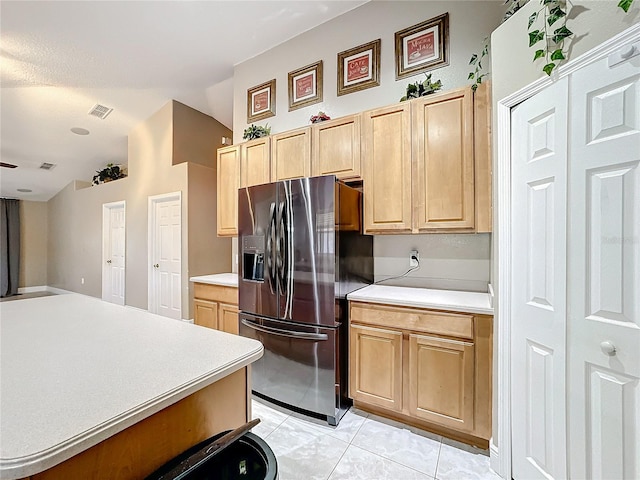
x=359, y=68
x=422, y=47
x=261, y=101
x=305, y=86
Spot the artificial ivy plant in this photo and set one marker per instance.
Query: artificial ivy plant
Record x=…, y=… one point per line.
x=256, y=131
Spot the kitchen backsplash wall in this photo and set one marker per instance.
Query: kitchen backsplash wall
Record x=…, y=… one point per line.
x=447, y=261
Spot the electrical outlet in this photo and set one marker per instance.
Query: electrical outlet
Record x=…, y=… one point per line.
x=414, y=258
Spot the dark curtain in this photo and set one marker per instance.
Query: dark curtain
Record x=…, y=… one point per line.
x=9, y=246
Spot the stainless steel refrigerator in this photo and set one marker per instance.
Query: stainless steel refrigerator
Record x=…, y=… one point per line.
x=301, y=252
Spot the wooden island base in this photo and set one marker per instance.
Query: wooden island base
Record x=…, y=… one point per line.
x=140, y=449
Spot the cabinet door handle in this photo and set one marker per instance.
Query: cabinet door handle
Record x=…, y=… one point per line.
x=108, y=261
x=156, y=265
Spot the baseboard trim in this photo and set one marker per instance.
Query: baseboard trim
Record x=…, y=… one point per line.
x=494, y=454
x=38, y=288
x=58, y=291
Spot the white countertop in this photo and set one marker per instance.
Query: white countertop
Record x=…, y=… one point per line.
x=75, y=370
x=469, y=302
x=224, y=279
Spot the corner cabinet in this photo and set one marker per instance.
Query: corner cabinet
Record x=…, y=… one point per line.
x=216, y=306
x=228, y=182
x=425, y=165
x=425, y=367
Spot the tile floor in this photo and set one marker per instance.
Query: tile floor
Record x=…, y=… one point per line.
x=363, y=446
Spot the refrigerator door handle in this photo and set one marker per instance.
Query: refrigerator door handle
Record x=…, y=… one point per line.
x=285, y=333
x=281, y=247
x=271, y=264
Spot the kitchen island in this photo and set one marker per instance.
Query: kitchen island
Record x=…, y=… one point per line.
x=89, y=389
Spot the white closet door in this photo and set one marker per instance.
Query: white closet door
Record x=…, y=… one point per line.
x=539, y=208
x=604, y=272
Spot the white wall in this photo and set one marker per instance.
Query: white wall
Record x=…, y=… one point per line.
x=448, y=261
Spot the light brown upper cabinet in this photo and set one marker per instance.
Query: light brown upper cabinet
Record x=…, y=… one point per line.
x=426, y=164
x=443, y=177
x=228, y=182
x=386, y=166
x=336, y=148
x=291, y=154
x=255, y=162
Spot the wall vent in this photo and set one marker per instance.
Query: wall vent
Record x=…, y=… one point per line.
x=47, y=166
x=8, y=165
x=100, y=111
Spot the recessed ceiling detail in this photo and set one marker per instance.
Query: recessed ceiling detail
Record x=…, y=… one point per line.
x=47, y=166
x=100, y=111
x=80, y=131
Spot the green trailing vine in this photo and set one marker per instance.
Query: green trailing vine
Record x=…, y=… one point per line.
x=625, y=5
x=553, y=14
x=478, y=72
x=552, y=51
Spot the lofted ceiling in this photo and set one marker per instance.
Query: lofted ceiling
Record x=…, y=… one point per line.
x=60, y=58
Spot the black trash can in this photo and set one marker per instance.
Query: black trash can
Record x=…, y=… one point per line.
x=247, y=458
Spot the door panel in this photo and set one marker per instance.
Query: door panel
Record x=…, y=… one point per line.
x=308, y=291
x=604, y=274
x=443, y=187
x=386, y=168
x=291, y=154
x=336, y=148
x=441, y=381
x=228, y=318
x=114, y=253
x=538, y=312
x=167, y=261
x=299, y=364
x=228, y=182
x=205, y=313
x=375, y=370
x=255, y=166
x=257, y=207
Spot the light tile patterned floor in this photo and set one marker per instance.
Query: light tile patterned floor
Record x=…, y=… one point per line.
x=363, y=447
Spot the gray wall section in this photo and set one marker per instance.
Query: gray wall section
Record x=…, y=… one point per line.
x=33, y=244
x=448, y=261
x=75, y=214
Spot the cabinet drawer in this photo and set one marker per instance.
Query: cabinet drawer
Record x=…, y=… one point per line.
x=216, y=293
x=439, y=323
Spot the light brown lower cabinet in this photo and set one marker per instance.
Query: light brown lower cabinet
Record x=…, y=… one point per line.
x=216, y=306
x=380, y=386
x=431, y=369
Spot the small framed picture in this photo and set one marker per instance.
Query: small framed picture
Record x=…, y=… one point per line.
x=423, y=47
x=305, y=86
x=261, y=101
x=359, y=68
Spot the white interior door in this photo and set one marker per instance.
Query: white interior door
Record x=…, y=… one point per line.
x=604, y=272
x=166, y=256
x=538, y=313
x=113, y=252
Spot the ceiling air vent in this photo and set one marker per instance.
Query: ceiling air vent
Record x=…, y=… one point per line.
x=47, y=166
x=8, y=165
x=100, y=111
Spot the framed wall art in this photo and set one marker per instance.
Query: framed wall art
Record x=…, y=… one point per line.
x=305, y=86
x=359, y=68
x=422, y=47
x=261, y=101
